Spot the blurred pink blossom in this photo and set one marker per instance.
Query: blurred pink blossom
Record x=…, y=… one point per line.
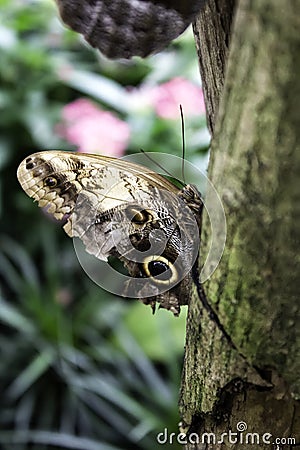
x=93, y=130
x=167, y=97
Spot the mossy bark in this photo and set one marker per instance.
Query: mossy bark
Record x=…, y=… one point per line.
x=252, y=372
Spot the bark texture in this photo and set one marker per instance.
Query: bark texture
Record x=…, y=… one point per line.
x=251, y=373
x=212, y=31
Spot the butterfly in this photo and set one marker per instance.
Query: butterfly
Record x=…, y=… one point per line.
x=125, y=28
x=125, y=211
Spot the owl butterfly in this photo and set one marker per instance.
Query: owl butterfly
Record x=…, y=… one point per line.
x=123, y=210
x=125, y=28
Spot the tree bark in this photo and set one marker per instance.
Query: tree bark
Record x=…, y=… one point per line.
x=212, y=30
x=243, y=368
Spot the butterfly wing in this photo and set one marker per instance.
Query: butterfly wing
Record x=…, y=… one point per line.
x=55, y=179
x=115, y=206
x=125, y=28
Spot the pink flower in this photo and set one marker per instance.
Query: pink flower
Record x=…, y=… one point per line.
x=93, y=130
x=167, y=97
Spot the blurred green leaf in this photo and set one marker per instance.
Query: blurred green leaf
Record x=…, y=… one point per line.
x=35, y=369
x=99, y=87
x=10, y=316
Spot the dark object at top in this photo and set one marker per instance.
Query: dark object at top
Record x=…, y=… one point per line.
x=126, y=28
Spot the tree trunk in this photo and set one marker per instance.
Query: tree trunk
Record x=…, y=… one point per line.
x=212, y=34
x=242, y=360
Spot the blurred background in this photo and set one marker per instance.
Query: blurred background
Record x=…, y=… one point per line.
x=80, y=368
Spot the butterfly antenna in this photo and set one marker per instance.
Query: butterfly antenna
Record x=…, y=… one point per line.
x=159, y=166
x=183, y=142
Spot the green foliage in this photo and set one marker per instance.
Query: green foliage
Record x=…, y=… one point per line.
x=70, y=364
x=75, y=367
